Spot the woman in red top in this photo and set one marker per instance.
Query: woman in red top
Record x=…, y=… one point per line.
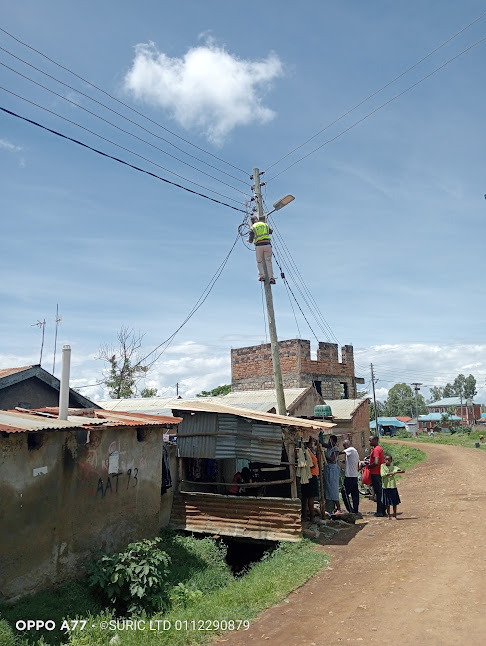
x=377, y=458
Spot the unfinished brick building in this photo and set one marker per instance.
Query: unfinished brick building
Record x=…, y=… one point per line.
x=252, y=368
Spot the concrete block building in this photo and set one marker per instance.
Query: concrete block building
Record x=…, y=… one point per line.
x=252, y=368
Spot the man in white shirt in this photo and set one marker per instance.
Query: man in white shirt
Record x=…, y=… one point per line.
x=351, y=474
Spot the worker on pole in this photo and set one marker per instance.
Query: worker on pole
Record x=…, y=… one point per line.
x=260, y=233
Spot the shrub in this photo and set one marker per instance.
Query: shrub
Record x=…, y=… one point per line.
x=7, y=637
x=134, y=580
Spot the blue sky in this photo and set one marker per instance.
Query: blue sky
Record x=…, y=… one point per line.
x=387, y=229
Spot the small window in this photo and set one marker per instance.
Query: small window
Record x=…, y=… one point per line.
x=318, y=386
x=141, y=434
x=34, y=441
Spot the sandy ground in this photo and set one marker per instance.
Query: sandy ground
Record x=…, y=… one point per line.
x=419, y=580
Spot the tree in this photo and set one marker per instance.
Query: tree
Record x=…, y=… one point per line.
x=125, y=364
x=448, y=391
x=148, y=392
x=436, y=393
x=470, y=387
x=380, y=410
x=215, y=392
x=402, y=402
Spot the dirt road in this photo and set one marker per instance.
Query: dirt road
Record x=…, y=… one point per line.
x=420, y=580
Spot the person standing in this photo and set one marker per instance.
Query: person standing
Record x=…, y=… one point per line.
x=310, y=490
x=351, y=468
x=331, y=474
x=390, y=492
x=260, y=234
x=377, y=458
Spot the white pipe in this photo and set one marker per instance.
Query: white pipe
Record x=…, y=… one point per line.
x=64, y=389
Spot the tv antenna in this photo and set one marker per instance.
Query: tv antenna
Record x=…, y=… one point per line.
x=58, y=320
x=40, y=324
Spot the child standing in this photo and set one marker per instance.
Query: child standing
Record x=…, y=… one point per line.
x=389, y=493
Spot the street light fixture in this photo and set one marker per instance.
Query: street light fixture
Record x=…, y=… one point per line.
x=279, y=204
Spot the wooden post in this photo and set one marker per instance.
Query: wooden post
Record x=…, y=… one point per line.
x=320, y=460
x=290, y=448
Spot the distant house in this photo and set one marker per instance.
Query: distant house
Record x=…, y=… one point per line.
x=434, y=420
x=69, y=488
x=467, y=411
x=34, y=387
x=352, y=418
x=387, y=425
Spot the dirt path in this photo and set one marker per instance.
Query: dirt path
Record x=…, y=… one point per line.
x=421, y=580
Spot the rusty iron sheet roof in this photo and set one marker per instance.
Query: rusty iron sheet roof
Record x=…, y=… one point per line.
x=6, y=372
x=39, y=420
x=271, y=519
x=213, y=407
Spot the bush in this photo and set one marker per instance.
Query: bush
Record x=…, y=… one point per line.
x=134, y=580
x=7, y=637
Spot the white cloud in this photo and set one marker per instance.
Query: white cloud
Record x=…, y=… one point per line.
x=208, y=88
x=9, y=147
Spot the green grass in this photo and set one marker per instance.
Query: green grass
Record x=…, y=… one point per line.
x=456, y=439
x=198, y=563
x=404, y=457
x=265, y=584
x=69, y=600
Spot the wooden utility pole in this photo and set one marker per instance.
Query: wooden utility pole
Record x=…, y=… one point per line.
x=374, y=399
x=277, y=372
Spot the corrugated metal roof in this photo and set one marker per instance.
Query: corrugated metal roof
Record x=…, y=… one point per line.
x=19, y=422
x=213, y=407
x=436, y=417
x=344, y=408
x=271, y=519
x=6, y=372
x=148, y=405
x=263, y=400
x=450, y=401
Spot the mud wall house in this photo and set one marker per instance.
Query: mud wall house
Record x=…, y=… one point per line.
x=252, y=368
x=71, y=488
x=34, y=387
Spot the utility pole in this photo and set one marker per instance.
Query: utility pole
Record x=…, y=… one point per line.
x=277, y=372
x=374, y=398
x=416, y=388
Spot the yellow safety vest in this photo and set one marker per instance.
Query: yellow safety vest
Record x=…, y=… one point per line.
x=261, y=231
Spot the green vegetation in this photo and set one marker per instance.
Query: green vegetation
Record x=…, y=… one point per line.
x=134, y=580
x=265, y=584
x=198, y=585
x=215, y=392
x=404, y=457
x=460, y=438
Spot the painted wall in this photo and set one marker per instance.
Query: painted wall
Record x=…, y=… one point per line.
x=62, y=500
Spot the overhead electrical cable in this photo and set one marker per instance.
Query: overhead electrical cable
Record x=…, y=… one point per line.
x=119, y=114
x=207, y=290
x=380, y=107
x=373, y=94
x=121, y=102
x=293, y=295
x=121, y=161
x=297, y=277
x=127, y=132
x=37, y=105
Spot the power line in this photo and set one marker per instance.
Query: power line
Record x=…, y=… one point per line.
x=56, y=114
x=120, y=102
x=120, y=161
x=380, y=107
x=313, y=307
x=208, y=289
x=370, y=96
x=120, y=115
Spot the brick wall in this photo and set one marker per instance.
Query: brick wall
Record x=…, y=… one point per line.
x=252, y=367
